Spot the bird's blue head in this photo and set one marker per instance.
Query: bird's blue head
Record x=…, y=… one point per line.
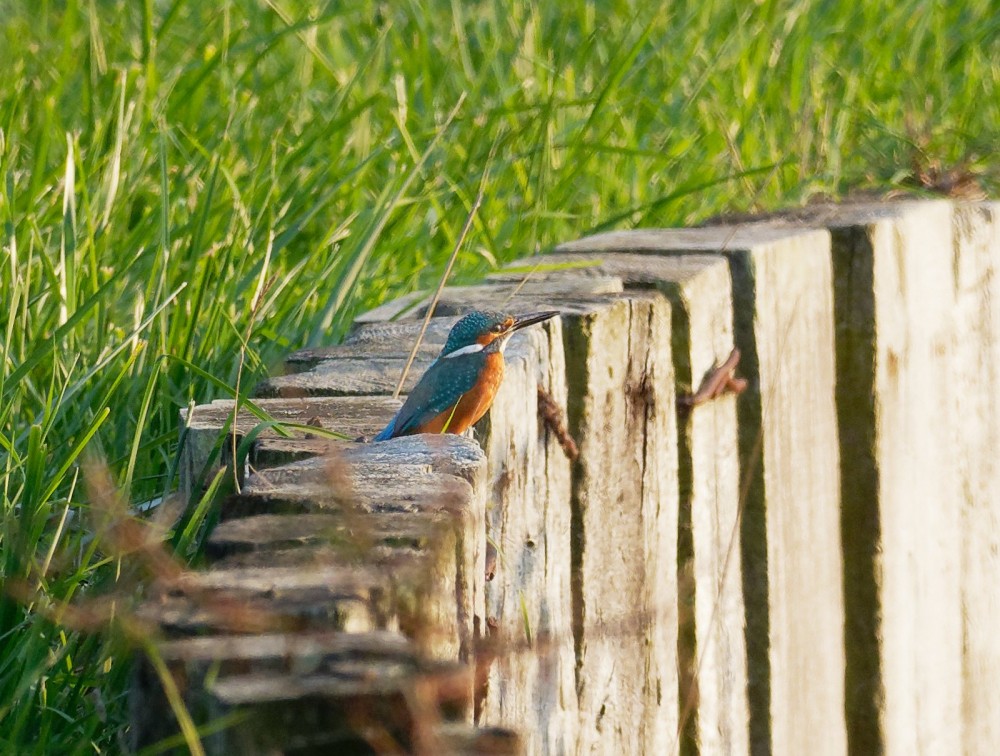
x=481, y=328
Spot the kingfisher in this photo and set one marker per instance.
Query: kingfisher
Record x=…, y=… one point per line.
x=460, y=384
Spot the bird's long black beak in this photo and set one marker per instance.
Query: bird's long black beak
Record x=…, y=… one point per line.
x=527, y=320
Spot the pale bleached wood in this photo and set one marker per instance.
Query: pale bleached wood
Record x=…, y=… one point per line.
x=699, y=289
x=436, y=580
x=894, y=265
x=389, y=336
x=372, y=479
x=453, y=483
x=624, y=522
x=899, y=295
x=373, y=359
x=531, y=684
x=626, y=666
x=917, y=347
x=783, y=322
x=366, y=342
x=977, y=412
x=350, y=416
x=407, y=530
x=709, y=447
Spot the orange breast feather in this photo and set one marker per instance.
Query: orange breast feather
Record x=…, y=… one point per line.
x=473, y=404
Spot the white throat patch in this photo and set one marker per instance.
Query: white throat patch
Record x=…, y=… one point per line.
x=470, y=349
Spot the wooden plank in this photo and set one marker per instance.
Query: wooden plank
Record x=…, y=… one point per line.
x=349, y=416
x=710, y=495
x=371, y=333
x=365, y=342
x=438, y=474
x=458, y=300
x=895, y=297
x=350, y=376
x=314, y=690
x=783, y=324
x=209, y=431
x=271, y=599
x=210, y=426
x=713, y=662
x=624, y=522
x=361, y=486
x=977, y=248
x=622, y=413
x=905, y=299
x=437, y=575
x=445, y=453
x=268, y=532
x=332, y=485
x=368, y=364
x=373, y=358
x=531, y=684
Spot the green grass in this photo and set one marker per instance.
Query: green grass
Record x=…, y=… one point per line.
x=188, y=191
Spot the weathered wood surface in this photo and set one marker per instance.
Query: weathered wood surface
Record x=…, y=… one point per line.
x=392, y=534
x=267, y=532
x=263, y=599
x=212, y=433
x=867, y=543
x=895, y=290
x=362, y=488
x=372, y=340
x=370, y=332
x=329, y=692
x=629, y=605
x=917, y=347
x=621, y=412
x=782, y=299
x=531, y=684
x=447, y=570
x=349, y=416
x=324, y=484
x=376, y=352
x=458, y=300
x=716, y=685
x=336, y=375
x=356, y=369
x=713, y=666
x=977, y=439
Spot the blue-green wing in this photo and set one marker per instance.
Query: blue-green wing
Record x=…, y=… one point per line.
x=439, y=389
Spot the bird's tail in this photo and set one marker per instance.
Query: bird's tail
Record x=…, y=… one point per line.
x=387, y=432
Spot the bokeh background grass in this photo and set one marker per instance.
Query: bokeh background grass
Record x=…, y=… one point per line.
x=190, y=190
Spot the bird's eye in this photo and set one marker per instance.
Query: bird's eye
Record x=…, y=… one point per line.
x=497, y=328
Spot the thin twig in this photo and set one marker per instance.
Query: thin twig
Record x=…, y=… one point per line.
x=719, y=380
x=552, y=416
x=523, y=281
